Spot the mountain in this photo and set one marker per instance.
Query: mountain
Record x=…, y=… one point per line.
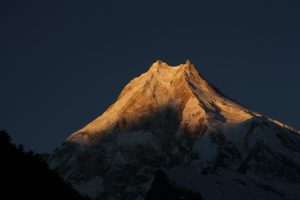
x=170, y=127
x=25, y=175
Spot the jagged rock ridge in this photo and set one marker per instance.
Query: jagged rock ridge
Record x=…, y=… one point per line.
x=171, y=118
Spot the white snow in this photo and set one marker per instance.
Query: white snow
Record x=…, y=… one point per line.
x=203, y=111
x=231, y=185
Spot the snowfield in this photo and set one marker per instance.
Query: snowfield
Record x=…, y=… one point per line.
x=171, y=118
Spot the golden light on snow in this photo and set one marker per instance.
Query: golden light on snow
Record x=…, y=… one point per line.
x=178, y=87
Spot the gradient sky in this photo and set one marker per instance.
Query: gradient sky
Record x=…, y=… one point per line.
x=63, y=63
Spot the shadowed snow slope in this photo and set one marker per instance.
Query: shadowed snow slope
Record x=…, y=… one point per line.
x=170, y=117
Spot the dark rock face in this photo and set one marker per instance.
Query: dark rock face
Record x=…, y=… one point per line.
x=163, y=189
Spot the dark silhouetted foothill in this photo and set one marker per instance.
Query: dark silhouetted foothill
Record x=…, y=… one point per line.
x=25, y=175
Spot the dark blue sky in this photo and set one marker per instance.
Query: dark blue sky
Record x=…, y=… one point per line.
x=62, y=63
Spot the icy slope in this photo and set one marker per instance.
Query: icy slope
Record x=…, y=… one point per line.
x=169, y=117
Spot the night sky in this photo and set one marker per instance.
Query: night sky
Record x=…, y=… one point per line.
x=64, y=62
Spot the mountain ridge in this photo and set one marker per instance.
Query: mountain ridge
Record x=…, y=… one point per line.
x=171, y=118
x=158, y=73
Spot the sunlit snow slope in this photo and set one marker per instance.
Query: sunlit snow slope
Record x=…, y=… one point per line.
x=170, y=118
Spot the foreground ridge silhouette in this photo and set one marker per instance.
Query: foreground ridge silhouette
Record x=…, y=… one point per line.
x=25, y=175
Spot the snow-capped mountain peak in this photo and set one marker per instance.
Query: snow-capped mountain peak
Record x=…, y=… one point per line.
x=171, y=118
x=180, y=88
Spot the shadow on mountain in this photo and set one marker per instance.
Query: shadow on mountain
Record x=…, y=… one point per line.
x=163, y=189
x=25, y=175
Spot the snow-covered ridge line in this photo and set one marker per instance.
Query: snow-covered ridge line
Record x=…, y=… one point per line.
x=171, y=118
